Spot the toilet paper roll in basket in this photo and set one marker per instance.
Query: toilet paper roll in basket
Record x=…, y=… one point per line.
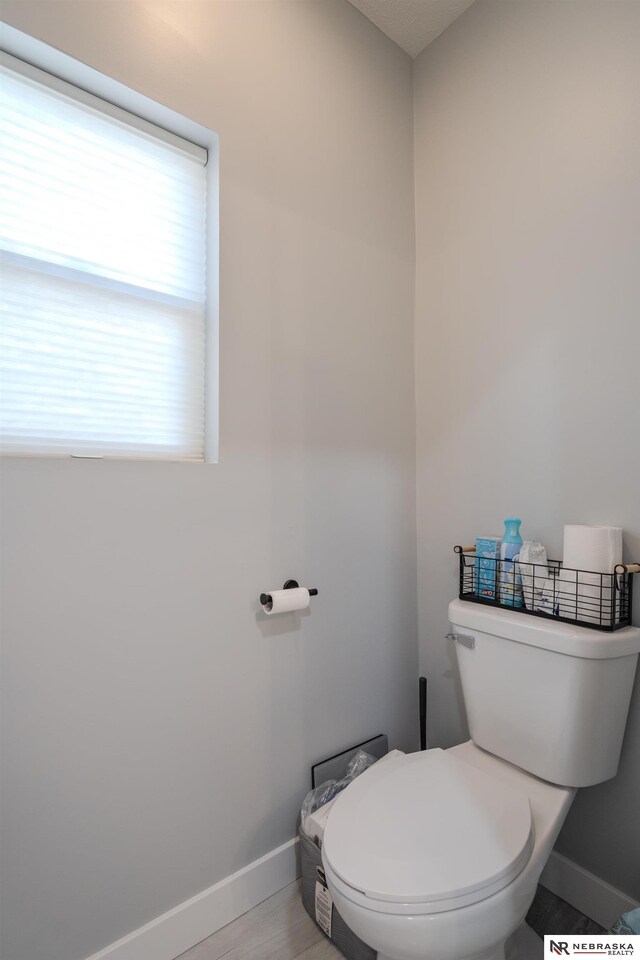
x=579, y=591
x=592, y=548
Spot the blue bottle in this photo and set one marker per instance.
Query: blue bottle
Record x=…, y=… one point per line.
x=510, y=579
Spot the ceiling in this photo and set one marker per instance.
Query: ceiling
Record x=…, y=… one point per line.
x=413, y=24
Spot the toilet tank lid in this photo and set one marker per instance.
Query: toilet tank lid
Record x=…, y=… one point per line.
x=573, y=641
x=427, y=828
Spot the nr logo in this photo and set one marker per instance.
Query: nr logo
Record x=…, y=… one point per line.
x=559, y=947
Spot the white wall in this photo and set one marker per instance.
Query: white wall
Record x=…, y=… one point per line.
x=527, y=332
x=158, y=733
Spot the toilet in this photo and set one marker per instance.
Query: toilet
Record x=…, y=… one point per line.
x=437, y=855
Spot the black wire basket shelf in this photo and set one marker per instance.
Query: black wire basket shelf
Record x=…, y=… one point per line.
x=601, y=601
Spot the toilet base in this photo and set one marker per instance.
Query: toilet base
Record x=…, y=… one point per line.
x=523, y=944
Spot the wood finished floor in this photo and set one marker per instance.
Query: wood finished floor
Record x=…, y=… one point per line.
x=277, y=929
x=280, y=929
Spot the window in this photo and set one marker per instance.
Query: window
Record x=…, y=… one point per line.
x=102, y=230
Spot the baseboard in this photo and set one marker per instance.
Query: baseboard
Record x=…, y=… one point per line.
x=169, y=935
x=584, y=891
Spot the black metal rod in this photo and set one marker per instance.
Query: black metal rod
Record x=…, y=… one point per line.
x=293, y=585
x=423, y=713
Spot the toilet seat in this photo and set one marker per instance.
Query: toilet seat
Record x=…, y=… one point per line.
x=425, y=833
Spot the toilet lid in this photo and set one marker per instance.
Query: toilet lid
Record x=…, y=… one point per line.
x=428, y=827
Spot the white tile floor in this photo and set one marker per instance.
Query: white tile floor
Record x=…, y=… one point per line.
x=277, y=929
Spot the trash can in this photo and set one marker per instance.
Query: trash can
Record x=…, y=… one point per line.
x=317, y=902
x=315, y=893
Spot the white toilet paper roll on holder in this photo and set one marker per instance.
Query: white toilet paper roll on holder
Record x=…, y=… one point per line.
x=288, y=585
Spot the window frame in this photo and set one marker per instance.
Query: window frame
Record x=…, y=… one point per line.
x=85, y=80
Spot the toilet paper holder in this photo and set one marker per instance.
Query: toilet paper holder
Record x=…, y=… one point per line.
x=288, y=585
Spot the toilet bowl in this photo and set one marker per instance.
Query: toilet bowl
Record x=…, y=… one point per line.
x=438, y=854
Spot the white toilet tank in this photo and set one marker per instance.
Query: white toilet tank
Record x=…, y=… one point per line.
x=548, y=697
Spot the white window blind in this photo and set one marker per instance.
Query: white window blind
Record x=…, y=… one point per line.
x=102, y=230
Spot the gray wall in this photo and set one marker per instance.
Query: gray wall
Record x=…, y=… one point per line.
x=527, y=330
x=158, y=735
